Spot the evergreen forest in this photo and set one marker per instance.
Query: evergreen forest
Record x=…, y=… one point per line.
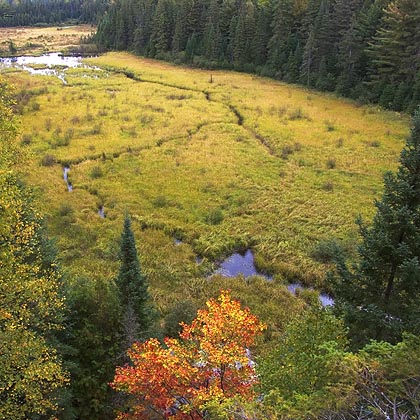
x=50, y=12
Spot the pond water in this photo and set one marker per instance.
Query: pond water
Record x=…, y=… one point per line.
x=51, y=64
x=244, y=264
x=239, y=264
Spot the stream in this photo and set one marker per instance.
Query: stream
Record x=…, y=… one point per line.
x=244, y=264
x=66, y=170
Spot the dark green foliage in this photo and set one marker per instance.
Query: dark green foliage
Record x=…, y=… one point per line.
x=132, y=285
x=50, y=12
x=215, y=217
x=327, y=251
x=379, y=296
x=185, y=312
x=92, y=337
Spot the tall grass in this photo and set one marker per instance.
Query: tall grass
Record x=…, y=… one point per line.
x=172, y=150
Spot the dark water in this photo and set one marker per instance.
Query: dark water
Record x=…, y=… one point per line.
x=101, y=212
x=66, y=170
x=239, y=264
x=53, y=64
x=244, y=264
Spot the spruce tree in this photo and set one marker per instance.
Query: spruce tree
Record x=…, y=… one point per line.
x=133, y=287
x=379, y=297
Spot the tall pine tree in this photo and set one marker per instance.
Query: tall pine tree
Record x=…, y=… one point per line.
x=133, y=288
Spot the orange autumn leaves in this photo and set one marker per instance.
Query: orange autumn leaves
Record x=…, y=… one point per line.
x=208, y=363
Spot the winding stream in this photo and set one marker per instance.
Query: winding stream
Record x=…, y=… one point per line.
x=244, y=264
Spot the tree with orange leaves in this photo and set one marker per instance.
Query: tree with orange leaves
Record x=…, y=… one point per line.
x=209, y=363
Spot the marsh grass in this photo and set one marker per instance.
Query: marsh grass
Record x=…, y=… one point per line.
x=242, y=163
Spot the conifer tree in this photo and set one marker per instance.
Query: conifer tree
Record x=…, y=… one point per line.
x=379, y=297
x=396, y=47
x=133, y=287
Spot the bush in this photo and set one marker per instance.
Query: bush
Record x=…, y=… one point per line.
x=65, y=210
x=26, y=139
x=326, y=251
x=328, y=186
x=96, y=172
x=215, y=217
x=286, y=151
x=35, y=106
x=331, y=163
x=48, y=160
x=160, y=201
x=298, y=114
x=96, y=129
x=68, y=135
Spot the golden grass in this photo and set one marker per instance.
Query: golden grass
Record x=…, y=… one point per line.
x=284, y=166
x=34, y=41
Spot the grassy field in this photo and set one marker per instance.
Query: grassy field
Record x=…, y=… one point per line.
x=35, y=41
x=222, y=161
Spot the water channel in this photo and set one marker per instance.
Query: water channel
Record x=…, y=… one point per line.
x=238, y=264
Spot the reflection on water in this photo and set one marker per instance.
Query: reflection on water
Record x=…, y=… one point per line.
x=51, y=64
x=238, y=264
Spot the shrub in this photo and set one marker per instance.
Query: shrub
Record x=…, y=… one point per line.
x=35, y=106
x=215, y=217
x=374, y=143
x=48, y=160
x=65, y=210
x=286, y=151
x=96, y=172
x=69, y=134
x=326, y=251
x=331, y=163
x=298, y=114
x=26, y=139
x=160, y=201
x=96, y=129
x=328, y=186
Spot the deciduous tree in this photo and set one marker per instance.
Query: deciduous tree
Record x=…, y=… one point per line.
x=209, y=362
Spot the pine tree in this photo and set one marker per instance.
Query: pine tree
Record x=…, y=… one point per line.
x=212, y=45
x=395, y=49
x=379, y=297
x=161, y=37
x=132, y=285
x=282, y=29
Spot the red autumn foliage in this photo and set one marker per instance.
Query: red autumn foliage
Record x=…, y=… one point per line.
x=208, y=363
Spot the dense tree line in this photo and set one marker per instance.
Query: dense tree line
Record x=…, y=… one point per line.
x=50, y=12
x=364, y=49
